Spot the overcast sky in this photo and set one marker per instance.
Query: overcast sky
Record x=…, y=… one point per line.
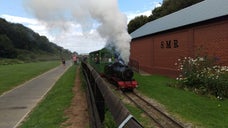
x=74, y=37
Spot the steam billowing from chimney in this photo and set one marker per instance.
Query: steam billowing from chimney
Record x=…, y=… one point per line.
x=112, y=23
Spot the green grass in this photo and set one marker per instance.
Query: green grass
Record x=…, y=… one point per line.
x=201, y=110
x=109, y=121
x=138, y=115
x=50, y=112
x=13, y=75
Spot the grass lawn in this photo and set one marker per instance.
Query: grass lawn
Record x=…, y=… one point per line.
x=199, y=110
x=13, y=75
x=50, y=112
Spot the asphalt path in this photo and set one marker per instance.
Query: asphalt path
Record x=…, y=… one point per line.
x=16, y=104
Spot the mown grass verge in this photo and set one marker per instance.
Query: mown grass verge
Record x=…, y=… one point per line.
x=13, y=75
x=140, y=116
x=50, y=112
x=201, y=110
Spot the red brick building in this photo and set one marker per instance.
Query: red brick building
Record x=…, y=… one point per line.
x=198, y=29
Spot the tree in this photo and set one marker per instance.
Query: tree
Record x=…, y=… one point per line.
x=136, y=23
x=6, y=48
x=18, y=41
x=167, y=7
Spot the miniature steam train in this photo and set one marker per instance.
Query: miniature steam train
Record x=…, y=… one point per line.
x=121, y=75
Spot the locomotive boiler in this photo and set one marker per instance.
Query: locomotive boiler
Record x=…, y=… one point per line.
x=121, y=75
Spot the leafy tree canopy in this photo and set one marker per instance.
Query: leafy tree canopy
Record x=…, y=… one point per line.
x=167, y=7
x=17, y=40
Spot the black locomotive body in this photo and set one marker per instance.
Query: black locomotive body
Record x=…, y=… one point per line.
x=121, y=75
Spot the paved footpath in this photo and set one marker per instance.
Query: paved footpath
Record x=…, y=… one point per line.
x=17, y=103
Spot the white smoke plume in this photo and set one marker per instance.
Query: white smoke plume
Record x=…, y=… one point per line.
x=60, y=13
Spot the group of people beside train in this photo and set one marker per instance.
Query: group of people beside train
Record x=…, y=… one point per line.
x=74, y=59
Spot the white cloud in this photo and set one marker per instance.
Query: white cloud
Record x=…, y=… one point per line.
x=33, y=24
x=72, y=39
x=132, y=15
x=76, y=41
x=148, y=12
x=22, y=20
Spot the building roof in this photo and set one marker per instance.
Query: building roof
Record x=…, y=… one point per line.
x=205, y=10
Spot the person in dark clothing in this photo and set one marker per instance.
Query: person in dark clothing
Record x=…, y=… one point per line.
x=63, y=61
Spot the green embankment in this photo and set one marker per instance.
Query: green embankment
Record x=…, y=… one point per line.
x=199, y=110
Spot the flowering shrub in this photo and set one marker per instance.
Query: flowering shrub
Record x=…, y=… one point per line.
x=202, y=76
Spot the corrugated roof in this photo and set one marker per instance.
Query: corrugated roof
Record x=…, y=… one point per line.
x=202, y=11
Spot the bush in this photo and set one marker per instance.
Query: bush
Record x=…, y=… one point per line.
x=203, y=76
x=4, y=61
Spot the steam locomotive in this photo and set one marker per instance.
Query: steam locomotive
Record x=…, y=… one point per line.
x=121, y=75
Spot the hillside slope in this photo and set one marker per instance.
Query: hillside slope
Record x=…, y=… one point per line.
x=20, y=42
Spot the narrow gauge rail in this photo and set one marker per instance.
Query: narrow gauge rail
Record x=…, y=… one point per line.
x=160, y=119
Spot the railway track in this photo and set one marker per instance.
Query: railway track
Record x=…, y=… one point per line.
x=159, y=118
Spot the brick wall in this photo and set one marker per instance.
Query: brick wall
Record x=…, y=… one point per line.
x=212, y=40
x=141, y=51
x=157, y=54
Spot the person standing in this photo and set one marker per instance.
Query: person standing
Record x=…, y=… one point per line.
x=74, y=59
x=63, y=62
